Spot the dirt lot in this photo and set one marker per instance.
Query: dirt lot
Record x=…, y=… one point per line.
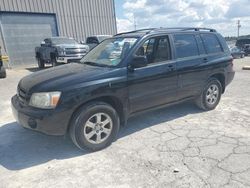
x=179, y=146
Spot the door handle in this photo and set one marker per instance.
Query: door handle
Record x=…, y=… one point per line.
x=171, y=67
x=205, y=60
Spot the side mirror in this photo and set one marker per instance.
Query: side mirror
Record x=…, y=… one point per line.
x=82, y=42
x=42, y=43
x=138, y=62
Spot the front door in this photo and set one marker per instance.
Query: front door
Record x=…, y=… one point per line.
x=155, y=84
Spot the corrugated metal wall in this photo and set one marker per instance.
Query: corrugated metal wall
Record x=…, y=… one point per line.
x=75, y=18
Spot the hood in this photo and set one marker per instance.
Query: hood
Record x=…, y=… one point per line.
x=61, y=77
x=71, y=46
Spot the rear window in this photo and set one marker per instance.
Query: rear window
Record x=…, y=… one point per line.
x=185, y=45
x=211, y=43
x=91, y=40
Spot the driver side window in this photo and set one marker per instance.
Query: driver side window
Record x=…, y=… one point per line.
x=156, y=49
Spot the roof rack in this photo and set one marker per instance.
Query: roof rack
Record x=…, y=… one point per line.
x=149, y=30
x=135, y=31
x=186, y=29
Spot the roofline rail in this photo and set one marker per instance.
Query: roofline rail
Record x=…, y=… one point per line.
x=149, y=30
x=135, y=31
x=186, y=29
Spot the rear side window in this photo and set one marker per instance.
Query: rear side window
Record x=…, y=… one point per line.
x=211, y=43
x=185, y=45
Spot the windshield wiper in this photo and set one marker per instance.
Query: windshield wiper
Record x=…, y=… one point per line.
x=95, y=64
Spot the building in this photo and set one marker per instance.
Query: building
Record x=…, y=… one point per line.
x=25, y=23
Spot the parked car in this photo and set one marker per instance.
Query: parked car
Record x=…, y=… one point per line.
x=240, y=43
x=246, y=49
x=59, y=50
x=2, y=69
x=125, y=75
x=237, y=52
x=93, y=41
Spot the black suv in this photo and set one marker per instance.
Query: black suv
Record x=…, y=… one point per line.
x=126, y=74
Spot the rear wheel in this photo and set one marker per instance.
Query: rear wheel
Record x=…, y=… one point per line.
x=210, y=96
x=94, y=126
x=40, y=63
x=53, y=61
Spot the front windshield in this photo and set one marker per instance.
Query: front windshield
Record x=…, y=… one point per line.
x=110, y=52
x=63, y=41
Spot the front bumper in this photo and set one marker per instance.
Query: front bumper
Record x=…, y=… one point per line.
x=50, y=122
x=68, y=59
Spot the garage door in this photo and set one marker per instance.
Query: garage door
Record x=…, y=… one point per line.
x=23, y=32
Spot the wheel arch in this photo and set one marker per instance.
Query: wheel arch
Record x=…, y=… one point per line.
x=221, y=78
x=113, y=101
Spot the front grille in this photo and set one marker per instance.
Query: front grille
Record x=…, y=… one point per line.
x=73, y=51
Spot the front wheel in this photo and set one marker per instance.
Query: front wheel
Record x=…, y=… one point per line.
x=94, y=126
x=210, y=96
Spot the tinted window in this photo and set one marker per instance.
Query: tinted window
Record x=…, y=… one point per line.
x=185, y=45
x=211, y=43
x=200, y=44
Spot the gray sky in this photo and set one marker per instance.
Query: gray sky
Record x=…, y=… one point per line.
x=218, y=14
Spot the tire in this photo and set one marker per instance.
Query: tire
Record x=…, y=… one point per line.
x=2, y=72
x=40, y=63
x=210, y=96
x=85, y=127
x=53, y=61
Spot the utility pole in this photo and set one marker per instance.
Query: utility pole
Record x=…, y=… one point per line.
x=134, y=21
x=238, y=27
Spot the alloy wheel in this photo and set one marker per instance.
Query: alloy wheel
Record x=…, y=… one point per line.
x=98, y=128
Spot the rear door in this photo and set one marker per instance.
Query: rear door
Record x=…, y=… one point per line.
x=217, y=56
x=155, y=84
x=191, y=64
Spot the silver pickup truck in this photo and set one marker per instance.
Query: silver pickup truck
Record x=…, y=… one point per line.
x=59, y=50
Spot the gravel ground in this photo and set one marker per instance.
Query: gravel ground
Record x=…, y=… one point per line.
x=179, y=146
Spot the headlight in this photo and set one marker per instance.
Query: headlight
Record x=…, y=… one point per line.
x=46, y=100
